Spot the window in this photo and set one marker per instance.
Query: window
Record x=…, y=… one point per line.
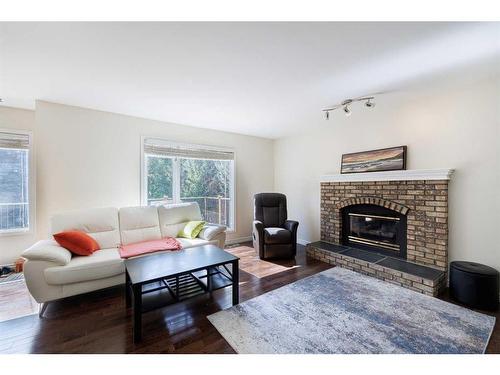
x=175, y=173
x=14, y=181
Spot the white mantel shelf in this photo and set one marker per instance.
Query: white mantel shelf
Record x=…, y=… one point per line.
x=408, y=175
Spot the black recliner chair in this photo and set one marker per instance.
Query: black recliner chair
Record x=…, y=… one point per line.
x=273, y=235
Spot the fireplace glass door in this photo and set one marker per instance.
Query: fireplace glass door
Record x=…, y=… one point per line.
x=375, y=228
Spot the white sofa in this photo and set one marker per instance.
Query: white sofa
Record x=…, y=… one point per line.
x=52, y=272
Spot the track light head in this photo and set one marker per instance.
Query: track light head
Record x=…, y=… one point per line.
x=347, y=111
x=369, y=104
x=327, y=115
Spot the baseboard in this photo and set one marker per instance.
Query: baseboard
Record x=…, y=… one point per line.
x=232, y=241
x=249, y=238
x=303, y=242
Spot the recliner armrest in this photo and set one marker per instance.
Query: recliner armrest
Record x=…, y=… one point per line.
x=291, y=225
x=48, y=251
x=210, y=231
x=258, y=226
x=258, y=237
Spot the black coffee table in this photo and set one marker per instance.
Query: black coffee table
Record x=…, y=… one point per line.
x=157, y=280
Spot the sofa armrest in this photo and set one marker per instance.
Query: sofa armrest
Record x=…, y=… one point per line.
x=48, y=251
x=210, y=231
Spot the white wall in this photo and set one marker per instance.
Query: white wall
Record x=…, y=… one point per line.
x=88, y=158
x=443, y=128
x=11, y=245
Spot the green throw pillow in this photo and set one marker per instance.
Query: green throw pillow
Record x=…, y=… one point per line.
x=191, y=230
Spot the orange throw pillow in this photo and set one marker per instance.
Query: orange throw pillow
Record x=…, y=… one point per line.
x=79, y=243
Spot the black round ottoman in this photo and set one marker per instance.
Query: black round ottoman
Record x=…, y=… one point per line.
x=474, y=285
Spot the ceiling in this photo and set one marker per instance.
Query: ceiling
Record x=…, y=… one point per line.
x=264, y=79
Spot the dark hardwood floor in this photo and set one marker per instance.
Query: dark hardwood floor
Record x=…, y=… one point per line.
x=99, y=322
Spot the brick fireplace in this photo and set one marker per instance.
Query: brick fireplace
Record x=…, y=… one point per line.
x=417, y=200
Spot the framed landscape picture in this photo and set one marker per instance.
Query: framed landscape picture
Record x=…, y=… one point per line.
x=387, y=159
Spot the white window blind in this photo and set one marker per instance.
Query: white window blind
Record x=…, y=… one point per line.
x=158, y=147
x=14, y=141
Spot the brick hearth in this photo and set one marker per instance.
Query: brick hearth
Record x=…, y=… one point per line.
x=421, y=279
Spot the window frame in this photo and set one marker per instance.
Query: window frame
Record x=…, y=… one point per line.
x=176, y=170
x=31, y=187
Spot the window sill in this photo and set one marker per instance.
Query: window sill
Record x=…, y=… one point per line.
x=15, y=232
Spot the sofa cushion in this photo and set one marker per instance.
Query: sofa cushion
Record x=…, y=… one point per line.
x=139, y=224
x=174, y=217
x=274, y=235
x=99, y=223
x=101, y=264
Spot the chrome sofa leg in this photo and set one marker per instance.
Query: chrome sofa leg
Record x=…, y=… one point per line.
x=41, y=308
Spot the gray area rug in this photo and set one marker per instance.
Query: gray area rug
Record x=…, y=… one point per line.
x=12, y=277
x=340, y=311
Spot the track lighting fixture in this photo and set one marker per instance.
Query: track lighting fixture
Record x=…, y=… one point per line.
x=369, y=104
x=346, y=103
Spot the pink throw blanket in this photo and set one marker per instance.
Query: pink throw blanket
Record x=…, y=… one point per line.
x=140, y=248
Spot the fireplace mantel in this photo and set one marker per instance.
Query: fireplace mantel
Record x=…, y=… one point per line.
x=407, y=175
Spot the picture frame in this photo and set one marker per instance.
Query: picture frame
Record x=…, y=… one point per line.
x=380, y=160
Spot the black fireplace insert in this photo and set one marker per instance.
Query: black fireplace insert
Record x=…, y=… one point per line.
x=374, y=228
